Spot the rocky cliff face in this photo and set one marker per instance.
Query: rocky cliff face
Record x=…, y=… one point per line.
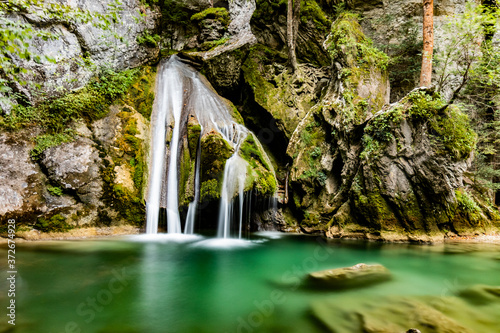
x=349, y=163
x=97, y=178
x=83, y=47
x=361, y=167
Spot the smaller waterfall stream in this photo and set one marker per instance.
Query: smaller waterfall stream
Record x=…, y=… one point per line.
x=175, y=100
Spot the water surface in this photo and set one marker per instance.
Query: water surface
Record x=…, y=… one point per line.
x=169, y=283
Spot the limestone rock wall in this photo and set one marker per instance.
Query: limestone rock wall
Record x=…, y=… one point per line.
x=83, y=48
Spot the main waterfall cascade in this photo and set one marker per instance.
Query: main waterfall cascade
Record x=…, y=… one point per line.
x=181, y=92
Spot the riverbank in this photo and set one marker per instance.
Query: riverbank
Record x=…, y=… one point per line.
x=99, y=232
x=74, y=234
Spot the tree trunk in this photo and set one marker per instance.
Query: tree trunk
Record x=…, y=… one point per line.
x=426, y=73
x=292, y=28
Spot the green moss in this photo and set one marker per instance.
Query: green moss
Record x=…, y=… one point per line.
x=266, y=183
x=252, y=153
x=46, y=141
x=451, y=131
x=194, y=132
x=312, y=220
x=214, y=153
x=210, y=190
x=207, y=46
x=235, y=114
x=348, y=44
x=141, y=93
x=91, y=103
x=277, y=97
x=56, y=223
x=361, y=61
x=133, y=147
x=310, y=10
x=220, y=14
x=374, y=209
x=128, y=205
x=268, y=9
x=186, y=178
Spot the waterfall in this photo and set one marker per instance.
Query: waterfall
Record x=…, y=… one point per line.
x=157, y=166
x=169, y=101
x=181, y=92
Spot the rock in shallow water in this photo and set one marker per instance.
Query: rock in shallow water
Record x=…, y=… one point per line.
x=349, y=277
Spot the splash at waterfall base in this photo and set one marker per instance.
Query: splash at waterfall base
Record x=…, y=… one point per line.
x=201, y=157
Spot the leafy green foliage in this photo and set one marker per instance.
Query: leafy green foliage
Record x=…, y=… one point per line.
x=55, y=190
x=461, y=50
x=149, y=40
x=471, y=55
x=56, y=223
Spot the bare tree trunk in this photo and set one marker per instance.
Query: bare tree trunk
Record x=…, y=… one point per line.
x=426, y=73
x=292, y=29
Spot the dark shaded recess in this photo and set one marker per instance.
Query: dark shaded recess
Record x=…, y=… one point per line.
x=207, y=216
x=221, y=3
x=263, y=124
x=190, y=59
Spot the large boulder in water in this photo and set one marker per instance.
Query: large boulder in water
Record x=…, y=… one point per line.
x=349, y=277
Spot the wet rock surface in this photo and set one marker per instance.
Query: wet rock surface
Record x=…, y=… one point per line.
x=359, y=275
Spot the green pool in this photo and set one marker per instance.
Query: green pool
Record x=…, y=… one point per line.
x=193, y=284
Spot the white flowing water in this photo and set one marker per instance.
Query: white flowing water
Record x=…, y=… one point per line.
x=169, y=102
x=175, y=106
x=157, y=167
x=181, y=88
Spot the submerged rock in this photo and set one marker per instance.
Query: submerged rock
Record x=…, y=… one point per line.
x=481, y=294
x=349, y=277
x=385, y=315
x=427, y=314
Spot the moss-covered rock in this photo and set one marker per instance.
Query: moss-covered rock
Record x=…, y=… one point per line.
x=361, y=67
x=286, y=96
x=363, y=169
x=214, y=153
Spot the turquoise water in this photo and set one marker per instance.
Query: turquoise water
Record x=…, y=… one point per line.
x=166, y=284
